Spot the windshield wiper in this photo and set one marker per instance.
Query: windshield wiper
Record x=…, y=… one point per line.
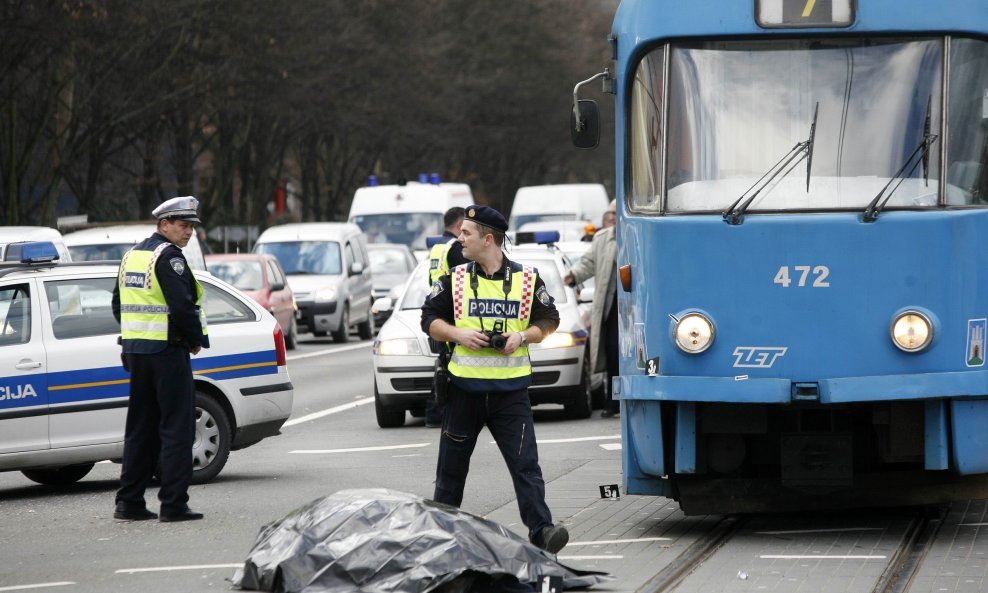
x=735, y=214
x=877, y=203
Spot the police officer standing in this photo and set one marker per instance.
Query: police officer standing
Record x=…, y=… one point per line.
x=443, y=257
x=492, y=309
x=158, y=303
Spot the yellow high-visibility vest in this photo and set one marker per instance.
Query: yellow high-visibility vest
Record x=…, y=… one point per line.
x=488, y=370
x=438, y=260
x=143, y=308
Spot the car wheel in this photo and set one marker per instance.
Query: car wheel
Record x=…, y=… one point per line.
x=387, y=417
x=211, y=447
x=582, y=406
x=291, y=338
x=342, y=334
x=366, y=328
x=58, y=476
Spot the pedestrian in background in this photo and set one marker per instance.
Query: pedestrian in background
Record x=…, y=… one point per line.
x=492, y=309
x=443, y=257
x=600, y=262
x=157, y=301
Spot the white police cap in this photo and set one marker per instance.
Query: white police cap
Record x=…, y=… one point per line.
x=183, y=207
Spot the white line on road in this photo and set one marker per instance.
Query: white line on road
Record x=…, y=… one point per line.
x=610, y=446
x=36, y=586
x=813, y=557
x=358, y=449
x=330, y=351
x=327, y=412
x=170, y=568
x=620, y=541
x=836, y=530
x=590, y=557
x=973, y=524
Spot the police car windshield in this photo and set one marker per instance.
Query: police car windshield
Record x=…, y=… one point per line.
x=305, y=257
x=404, y=228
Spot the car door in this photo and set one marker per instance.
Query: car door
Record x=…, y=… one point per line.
x=280, y=300
x=87, y=385
x=362, y=284
x=23, y=379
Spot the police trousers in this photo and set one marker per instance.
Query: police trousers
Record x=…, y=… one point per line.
x=160, y=427
x=508, y=415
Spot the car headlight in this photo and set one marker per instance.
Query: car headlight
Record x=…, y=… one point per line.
x=324, y=295
x=912, y=331
x=558, y=340
x=693, y=333
x=398, y=347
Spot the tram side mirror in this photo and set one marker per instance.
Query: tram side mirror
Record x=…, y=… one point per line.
x=585, y=131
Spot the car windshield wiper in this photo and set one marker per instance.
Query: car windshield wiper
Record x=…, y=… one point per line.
x=923, y=150
x=802, y=150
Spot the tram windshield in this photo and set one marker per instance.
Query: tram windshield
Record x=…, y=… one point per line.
x=731, y=109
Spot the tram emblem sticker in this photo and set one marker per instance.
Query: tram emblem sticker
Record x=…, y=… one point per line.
x=975, y=351
x=758, y=357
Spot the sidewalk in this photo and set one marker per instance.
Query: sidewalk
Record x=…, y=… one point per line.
x=632, y=537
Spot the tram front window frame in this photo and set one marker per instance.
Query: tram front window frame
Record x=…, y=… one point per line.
x=732, y=108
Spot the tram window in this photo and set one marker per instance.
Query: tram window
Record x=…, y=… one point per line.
x=967, y=148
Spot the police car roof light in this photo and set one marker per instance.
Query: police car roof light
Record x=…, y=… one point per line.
x=434, y=179
x=34, y=252
x=434, y=240
x=540, y=237
x=423, y=178
x=372, y=181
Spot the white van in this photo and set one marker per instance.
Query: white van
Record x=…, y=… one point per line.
x=112, y=241
x=328, y=270
x=406, y=214
x=569, y=201
x=20, y=234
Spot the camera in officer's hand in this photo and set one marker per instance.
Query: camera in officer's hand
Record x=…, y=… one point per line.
x=496, y=336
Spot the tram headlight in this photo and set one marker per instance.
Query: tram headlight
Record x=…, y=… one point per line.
x=693, y=333
x=912, y=331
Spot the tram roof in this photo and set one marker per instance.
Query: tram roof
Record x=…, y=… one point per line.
x=645, y=21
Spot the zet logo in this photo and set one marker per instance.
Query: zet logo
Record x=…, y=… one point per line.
x=757, y=357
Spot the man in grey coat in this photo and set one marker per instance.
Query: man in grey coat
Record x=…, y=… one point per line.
x=600, y=262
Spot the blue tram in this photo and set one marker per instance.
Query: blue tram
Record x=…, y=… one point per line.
x=803, y=244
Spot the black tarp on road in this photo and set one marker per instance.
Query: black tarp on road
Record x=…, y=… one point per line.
x=381, y=541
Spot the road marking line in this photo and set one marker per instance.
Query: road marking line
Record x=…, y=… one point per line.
x=590, y=557
x=327, y=412
x=576, y=439
x=836, y=530
x=330, y=351
x=973, y=524
x=822, y=557
x=620, y=541
x=359, y=449
x=610, y=446
x=36, y=586
x=170, y=568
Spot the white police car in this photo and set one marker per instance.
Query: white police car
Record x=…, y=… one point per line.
x=403, y=361
x=63, y=391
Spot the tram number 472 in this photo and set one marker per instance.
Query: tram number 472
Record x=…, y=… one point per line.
x=817, y=275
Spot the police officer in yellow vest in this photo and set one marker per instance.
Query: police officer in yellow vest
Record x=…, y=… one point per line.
x=158, y=303
x=492, y=309
x=443, y=257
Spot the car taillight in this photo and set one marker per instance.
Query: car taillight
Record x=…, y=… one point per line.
x=279, y=347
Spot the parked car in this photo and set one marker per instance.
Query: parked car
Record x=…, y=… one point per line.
x=110, y=242
x=261, y=278
x=390, y=264
x=404, y=362
x=63, y=391
x=329, y=271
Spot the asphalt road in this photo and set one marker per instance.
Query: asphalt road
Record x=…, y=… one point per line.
x=66, y=539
